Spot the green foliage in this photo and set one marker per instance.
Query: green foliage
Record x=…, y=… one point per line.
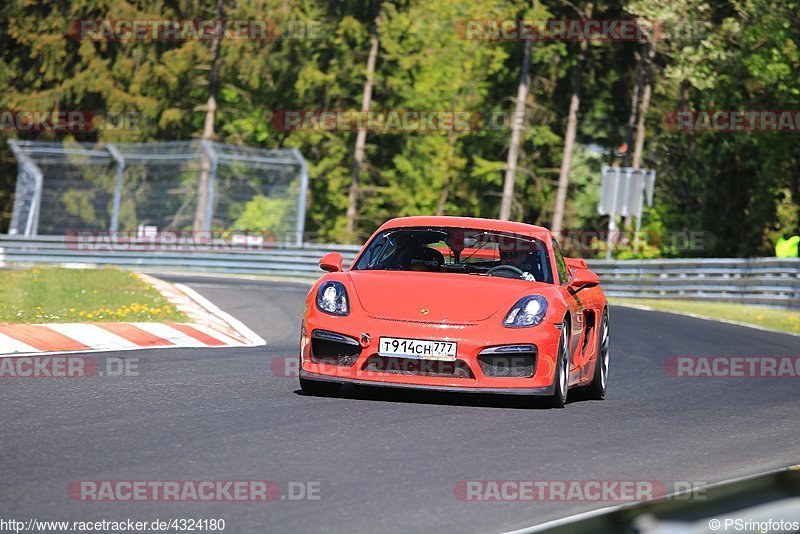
x=741, y=190
x=731, y=186
x=263, y=214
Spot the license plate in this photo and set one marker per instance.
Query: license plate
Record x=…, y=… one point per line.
x=420, y=349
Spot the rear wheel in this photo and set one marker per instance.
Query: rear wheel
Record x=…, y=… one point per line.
x=561, y=376
x=597, y=389
x=317, y=387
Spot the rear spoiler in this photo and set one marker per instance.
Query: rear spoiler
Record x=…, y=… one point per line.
x=576, y=263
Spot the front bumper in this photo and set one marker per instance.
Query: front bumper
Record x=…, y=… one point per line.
x=468, y=376
x=543, y=391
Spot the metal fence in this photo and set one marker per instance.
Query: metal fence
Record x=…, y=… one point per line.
x=173, y=186
x=765, y=281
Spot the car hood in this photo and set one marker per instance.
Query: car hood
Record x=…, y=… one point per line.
x=448, y=298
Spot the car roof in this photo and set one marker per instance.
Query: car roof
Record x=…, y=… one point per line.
x=468, y=222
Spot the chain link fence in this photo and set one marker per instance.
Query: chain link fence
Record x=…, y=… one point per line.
x=175, y=186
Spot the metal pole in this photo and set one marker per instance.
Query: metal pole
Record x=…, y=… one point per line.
x=640, y=194
x=26, y=163
x=612, y=227
x=114, y=225
x=22, y=179
x=637, y=231
x=301, y=201
x=626, y=194
x=212, y=179
x=612, y=223
x=32, y=226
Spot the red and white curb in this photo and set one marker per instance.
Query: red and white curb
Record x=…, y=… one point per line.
x=222, y=318
x=26, y=339
x=210, y=327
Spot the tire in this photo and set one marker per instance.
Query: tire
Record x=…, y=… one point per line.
x=561, y=376
x=597, y=389
x=317, y=387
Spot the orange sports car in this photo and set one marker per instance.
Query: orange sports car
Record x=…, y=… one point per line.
x=457, y=304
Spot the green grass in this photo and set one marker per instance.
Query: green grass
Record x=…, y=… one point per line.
x=773, y=318
x=55, y=295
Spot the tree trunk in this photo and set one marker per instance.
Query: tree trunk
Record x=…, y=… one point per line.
x=631, y=128
x=516, y=133
x=632, y=118
x=569, y=141
x=444, y=194
x=201, y=218
x=649, y=55
x=361, y=137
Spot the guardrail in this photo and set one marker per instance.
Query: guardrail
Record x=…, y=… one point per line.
x=763, y=281
x=281, y=260
x=769, y=498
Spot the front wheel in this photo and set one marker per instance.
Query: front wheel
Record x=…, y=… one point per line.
x=597, y=389
x=561, y=376
x=317, y=387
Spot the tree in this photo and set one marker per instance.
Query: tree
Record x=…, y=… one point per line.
x=747, y=59
x=517, y=124
x=361, y=138
x=572, y=128
x=201, y=221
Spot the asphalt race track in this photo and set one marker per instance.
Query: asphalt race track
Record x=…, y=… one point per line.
x=387, y=460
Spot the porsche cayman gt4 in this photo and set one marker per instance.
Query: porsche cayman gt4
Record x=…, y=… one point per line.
x=457, y=304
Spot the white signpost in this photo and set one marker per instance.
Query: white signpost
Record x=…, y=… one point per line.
x=623, y=192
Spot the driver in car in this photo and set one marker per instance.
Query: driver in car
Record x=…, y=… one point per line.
x=518, y=254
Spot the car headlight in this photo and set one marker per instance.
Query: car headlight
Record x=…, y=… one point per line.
x=528, y=311
x=332, y=298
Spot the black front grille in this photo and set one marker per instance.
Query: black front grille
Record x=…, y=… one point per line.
x=327, y=347
x=508, y=365
x=414, y=367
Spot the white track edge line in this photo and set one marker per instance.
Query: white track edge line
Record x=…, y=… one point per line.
x=254, y=339
x=704, y=317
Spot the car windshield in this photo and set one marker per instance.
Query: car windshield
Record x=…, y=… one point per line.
x=458, y=250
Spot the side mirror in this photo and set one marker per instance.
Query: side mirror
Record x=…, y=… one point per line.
x=581, y=279
x=331, y=262
x=575, y=263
